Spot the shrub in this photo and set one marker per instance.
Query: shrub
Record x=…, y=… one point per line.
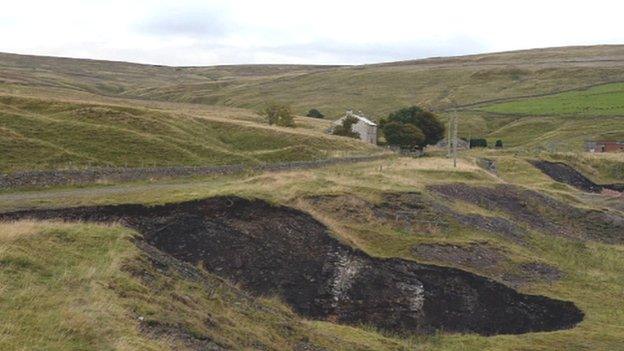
x=279, y=114
x=478, y=143
x=425, y=121
x=404, y=135
x=314, y=113
x=346, y=128
x=499, y=144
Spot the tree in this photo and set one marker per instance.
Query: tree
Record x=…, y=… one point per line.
x=499, y=144
x=346, y=128
x=404, y=135
x=478, y=143
x=314, y=113
x=425, y=121
x=279, y=114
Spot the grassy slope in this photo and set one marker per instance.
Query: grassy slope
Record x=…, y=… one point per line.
x=374, y=89
x=593, y=276
x=69, y=287
x=558, y=121
x=45, y=133
x=602, y=100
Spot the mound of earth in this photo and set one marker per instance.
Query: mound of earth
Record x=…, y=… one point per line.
x=538, y=211
x=481, y=257
x=563, y=173
x=276, y=250
x=411, y=212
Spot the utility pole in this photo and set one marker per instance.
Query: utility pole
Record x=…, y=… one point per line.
x=455, y=138
x=448, y=137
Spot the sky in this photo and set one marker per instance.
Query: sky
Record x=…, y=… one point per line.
x=210, y=32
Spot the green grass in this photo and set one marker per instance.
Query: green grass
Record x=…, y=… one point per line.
x=593, y=276
x=50, y=134
x=70, y=287
x=469, y=81
x=602, y=100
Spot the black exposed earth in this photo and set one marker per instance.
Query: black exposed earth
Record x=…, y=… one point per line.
x=276, y=250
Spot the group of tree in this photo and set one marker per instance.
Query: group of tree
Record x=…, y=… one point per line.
x=412, y=127
x=279, y=114
x=346, y=128
x=480, y=142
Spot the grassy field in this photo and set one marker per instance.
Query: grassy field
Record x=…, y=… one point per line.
x=374, y=89
x=493, y=91
x=602, y=100
x=592, y=275
x=71, y=285
x=51, y=134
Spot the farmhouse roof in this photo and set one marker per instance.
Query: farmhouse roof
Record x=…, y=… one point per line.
x=361, y=118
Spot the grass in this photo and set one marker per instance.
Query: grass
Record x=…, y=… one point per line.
x=601, y=100
x=593, y=278
x=51, y=134
x=68, y=286
x=560, y=121
x=54, y=294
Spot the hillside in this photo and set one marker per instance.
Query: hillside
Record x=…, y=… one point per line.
x=492, y=91
x=376, y=89
x=205, y=289
x=37, y=134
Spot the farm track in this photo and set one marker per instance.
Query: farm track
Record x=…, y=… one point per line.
x=52, y=195
x=95, y=175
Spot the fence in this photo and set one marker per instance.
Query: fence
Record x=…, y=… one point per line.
x=104, y=174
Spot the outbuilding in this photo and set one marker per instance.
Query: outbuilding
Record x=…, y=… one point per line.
x=604, y=146
x=366, y=128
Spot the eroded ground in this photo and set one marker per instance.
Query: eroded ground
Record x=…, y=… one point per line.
x=276, y=250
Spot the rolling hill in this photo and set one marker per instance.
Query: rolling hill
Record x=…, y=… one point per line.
x=39, y=134
x=498, y=95
x=394, y=253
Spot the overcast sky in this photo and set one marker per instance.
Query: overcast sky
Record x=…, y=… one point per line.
x=318, y=31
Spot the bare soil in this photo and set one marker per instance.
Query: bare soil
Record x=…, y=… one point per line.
x=538, y=211
x=483, y=258
x=411, y=212
x=563, y=173
x=275, y=250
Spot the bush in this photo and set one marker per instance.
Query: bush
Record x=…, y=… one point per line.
x=346, y=128
x=478, y=143
x=279, y=114
x=314, y=113
x=406, y=136
x=426, y=122
x=499, y=144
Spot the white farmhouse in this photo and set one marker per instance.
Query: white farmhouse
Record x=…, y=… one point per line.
x=365, y=127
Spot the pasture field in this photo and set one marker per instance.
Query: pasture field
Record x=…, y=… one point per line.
x=602, y=100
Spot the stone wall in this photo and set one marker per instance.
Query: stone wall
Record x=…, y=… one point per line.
x=120, y=174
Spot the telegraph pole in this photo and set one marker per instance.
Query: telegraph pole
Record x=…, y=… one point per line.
x=455, y=138
x=448, y=137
